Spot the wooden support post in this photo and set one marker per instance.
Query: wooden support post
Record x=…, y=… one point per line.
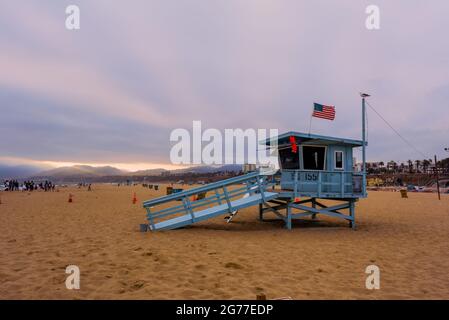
x=260, y=211
x=342, y=184
x=289, y=217
x=319, y=184
x=313, y=206
x=228, y=201
x=352, y=214
x=188, y=208
x=262, y=191
x=150, y=217
x=217, y=194
x=295, y=185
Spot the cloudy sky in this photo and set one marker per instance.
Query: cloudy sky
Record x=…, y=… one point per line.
x=111, y=92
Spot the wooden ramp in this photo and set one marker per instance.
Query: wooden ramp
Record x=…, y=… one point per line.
x=222, y=197
x=212, y=212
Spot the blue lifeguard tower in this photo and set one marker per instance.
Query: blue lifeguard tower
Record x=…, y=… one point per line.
x=319, y=167
x=313, y=168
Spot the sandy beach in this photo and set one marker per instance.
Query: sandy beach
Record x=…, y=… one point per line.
x=41, y=234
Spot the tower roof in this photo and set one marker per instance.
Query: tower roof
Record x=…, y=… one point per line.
x=313, y=139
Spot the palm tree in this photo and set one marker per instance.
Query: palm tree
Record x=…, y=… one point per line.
x=410, y=166
x=392, y=166
x=418, y=164
x=425, y=165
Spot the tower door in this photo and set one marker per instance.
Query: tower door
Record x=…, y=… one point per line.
x=314, y=157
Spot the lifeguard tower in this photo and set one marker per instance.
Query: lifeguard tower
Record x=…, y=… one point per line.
x=313, y=169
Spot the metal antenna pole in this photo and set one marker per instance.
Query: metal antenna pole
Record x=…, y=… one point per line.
x=364, y=95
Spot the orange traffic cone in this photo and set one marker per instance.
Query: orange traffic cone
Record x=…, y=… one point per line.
x=134, y=198
x=70, y=197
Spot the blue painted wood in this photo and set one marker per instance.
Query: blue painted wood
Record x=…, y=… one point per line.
x=217, y=194
x=320, y=184
x=310, y=138
x=251, y=185
x=352, y=214
x=186, y=202
x=208, y=187
x=228, y=200
x=214, y=199
x=209, y=213
x=289, y=217
x=261, y=190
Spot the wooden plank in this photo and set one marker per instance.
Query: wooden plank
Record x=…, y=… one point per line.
x=228, y=201
x=328, y=209
x=212, y=212
x=207, y=187
x=186, y=202
x=289, y=218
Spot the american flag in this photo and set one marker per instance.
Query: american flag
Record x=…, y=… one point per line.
x=323, y=112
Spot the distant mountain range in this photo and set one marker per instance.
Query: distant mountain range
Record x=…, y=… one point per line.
x=18, y=171
x=82, y=171
x=209, y=169
x=85, y=171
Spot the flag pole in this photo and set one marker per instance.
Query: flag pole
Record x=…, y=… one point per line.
x=438, y=179
x=363, y=95
x=310, y=123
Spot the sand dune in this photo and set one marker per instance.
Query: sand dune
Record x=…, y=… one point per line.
x=41, y=233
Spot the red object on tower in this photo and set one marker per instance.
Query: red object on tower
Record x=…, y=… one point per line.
x=294, y=145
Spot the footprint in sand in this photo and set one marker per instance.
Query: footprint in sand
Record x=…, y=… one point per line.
x=233, y=265
x=137, y=285
x=123, y=272
x=200, y=267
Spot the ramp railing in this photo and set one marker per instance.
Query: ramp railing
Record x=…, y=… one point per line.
x=217, y=193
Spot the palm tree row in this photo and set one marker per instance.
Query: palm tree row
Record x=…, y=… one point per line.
x=416, y=166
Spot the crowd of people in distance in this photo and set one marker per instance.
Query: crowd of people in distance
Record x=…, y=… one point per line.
x=14, y=185
x=83, y=184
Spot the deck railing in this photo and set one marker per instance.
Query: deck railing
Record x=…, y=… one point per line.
x=316, y=183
